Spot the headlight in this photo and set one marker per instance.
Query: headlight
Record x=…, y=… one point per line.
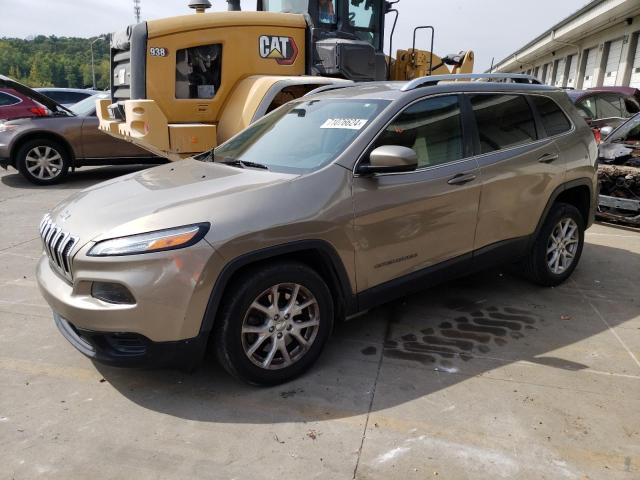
x=160, y=240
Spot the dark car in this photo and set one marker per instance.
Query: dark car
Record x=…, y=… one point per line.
x=44, y=148
x=14, y=104
x=66, y=96
x=606, y=106
x=619, y=173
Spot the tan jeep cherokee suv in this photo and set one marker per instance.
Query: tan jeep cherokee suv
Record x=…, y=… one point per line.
x=330, y=205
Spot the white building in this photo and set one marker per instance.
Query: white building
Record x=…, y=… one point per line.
x=596, y=46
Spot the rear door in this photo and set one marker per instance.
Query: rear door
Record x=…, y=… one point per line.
x=405, y=222
x=519, y=171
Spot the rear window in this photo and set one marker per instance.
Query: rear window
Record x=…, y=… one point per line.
x=609, y=106
x=7, y=100
x=503, y=121
x=553, y=118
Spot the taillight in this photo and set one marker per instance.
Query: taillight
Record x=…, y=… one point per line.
x=597, y=135
x=39, y=111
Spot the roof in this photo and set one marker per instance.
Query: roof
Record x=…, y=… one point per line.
x=595, y=16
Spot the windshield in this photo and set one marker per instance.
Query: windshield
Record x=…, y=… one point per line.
x=628, y=132
x=87, y=106
x=300, y=137
x=286, y=6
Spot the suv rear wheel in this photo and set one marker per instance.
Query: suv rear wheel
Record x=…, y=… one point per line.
x=558, y=247
x=274, y=324
x=43, y=161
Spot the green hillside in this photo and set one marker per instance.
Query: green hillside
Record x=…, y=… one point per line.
x=55, y=61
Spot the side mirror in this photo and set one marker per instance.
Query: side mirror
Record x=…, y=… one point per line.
x=606, y=131
x=390, y=159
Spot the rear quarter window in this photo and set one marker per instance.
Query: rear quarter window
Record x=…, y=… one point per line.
x=553, y=118
x=503, y=121
x=7, y=100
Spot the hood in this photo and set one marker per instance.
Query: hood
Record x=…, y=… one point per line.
x=172, y=195
x=6, y=82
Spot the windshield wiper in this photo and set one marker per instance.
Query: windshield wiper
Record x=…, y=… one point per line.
x=243, y=164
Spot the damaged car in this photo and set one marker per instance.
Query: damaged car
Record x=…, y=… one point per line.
x=619, y=173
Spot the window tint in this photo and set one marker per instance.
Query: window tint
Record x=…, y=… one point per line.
x=503, y=121
x=198, y=71
x=587, y=108
x=63, y=97
x=6, y=100
x=430, y=127
x=609, y=106
x=553, y=118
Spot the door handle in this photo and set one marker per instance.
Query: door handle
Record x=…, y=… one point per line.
x=462, y=178
x=549, y=158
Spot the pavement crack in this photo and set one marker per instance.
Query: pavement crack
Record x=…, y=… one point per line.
x=18, y=244
x=393, y=314
x=607, y=324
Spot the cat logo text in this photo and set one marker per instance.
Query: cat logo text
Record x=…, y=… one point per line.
x=281, y=49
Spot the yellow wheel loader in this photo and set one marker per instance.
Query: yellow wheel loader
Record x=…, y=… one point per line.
x=182, y=85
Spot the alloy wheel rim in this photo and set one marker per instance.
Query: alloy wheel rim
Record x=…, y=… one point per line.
x=562, y=246
x=44, y=162
x=280, y=326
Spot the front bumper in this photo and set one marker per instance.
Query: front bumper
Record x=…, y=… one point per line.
x=132, y=350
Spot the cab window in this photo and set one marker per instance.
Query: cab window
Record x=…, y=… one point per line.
x=364, y=17
x=198, y=71
x=327, y=12
x=286, y=6
x=503, y=121
x=431, y=127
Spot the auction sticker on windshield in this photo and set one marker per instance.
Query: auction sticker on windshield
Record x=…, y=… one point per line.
x=348, y=123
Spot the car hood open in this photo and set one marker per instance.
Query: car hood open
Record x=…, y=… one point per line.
x=172, y=195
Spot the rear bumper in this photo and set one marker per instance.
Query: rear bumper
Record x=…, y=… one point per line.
x=131, y=349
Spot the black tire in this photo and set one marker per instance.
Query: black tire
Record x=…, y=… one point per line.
x=230, y=341
x=54, y=166
x=537, y=264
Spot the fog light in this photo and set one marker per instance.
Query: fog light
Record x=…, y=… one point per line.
x=112, y=293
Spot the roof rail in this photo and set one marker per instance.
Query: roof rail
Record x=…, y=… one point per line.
x=432, y=80
x=331, y=86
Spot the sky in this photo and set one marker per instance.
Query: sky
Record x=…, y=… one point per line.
x=491, y=28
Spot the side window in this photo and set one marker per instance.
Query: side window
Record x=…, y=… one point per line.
x=609, y=106
x=198, y=71
x=588, y=107
x=553, y=118
x=7, y=100
x=430, y=127
x=503, y=121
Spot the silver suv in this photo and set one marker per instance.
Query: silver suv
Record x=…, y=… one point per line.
x=329, y=206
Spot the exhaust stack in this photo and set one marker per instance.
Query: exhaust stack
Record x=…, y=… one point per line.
x=200, y=6
x=233, y=5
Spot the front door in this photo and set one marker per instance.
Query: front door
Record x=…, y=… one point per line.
x=405, y=222
x=97, y=144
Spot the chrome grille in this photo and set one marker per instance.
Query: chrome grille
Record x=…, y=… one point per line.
x=58, y=244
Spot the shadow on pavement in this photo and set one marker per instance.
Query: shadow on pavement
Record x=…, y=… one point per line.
x=413, y=347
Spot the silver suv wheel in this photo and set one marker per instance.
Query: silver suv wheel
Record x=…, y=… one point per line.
x=280, y=326
x=44, y=162
x=562, y=245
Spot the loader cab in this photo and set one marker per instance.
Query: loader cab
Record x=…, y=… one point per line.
x=347, y=36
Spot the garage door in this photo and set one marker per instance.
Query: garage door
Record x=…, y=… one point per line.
x=559, y=80
x=571, y=75
x=635, y=70
x=613, y=63
x=588, y=80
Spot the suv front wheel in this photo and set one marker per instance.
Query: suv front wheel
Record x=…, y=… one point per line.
x=557, y=249
x=274, y=323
